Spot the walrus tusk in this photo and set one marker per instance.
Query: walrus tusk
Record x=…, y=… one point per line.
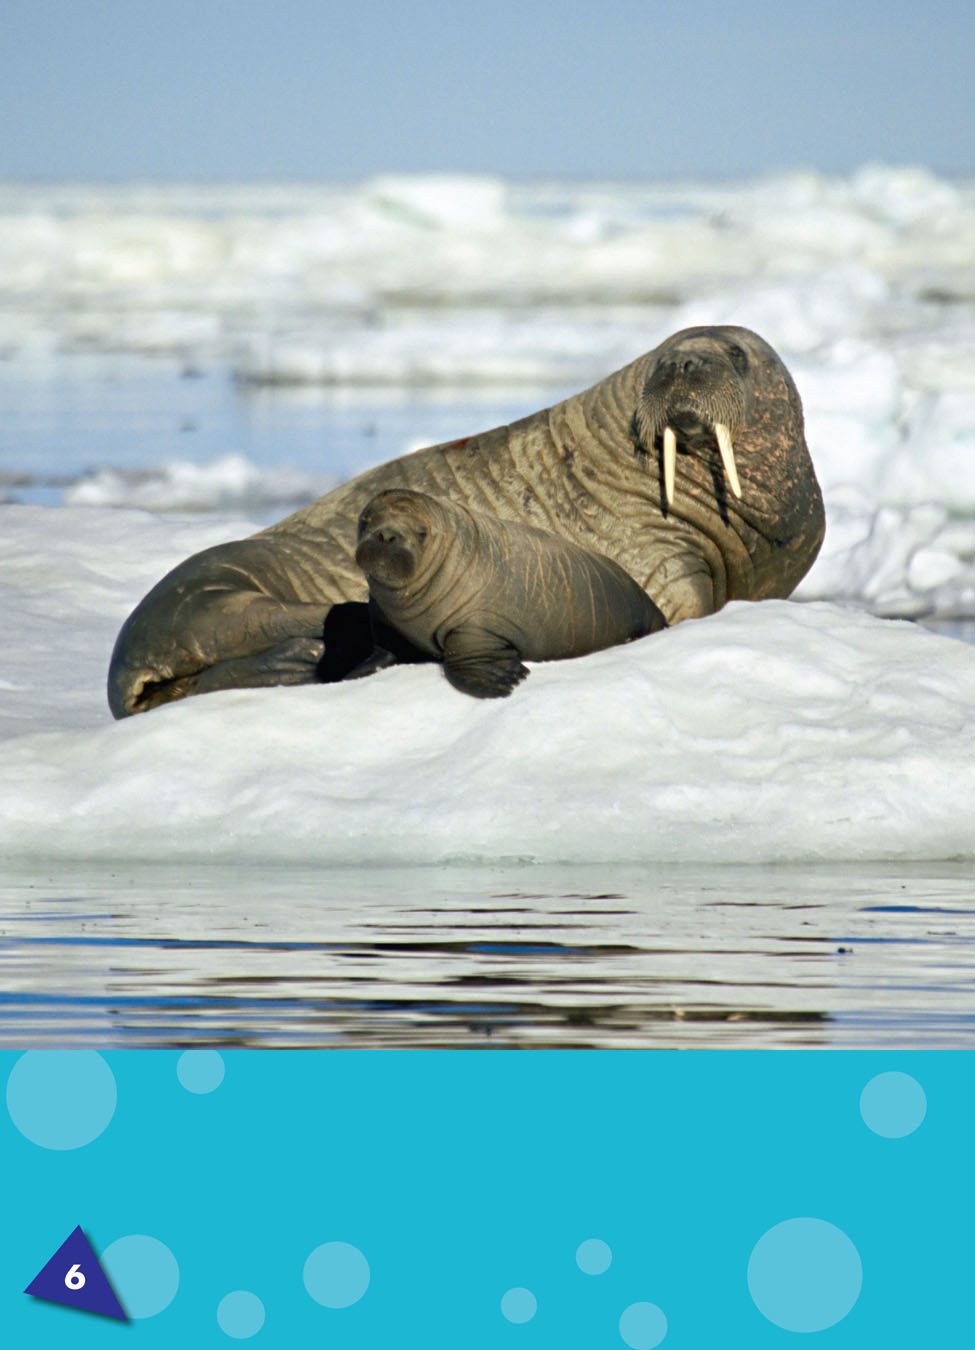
x=727, y=456
x=670, y=464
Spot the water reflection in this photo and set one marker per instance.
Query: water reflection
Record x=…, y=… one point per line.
x=513, y=956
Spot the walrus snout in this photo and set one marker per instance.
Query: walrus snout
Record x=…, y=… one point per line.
x=686, y=365
x=383, y=553
x=699, y=380
x=387, y=536
x=697, y=392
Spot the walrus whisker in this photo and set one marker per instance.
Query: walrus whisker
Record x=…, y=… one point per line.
x=727, y=457
x=670, y=463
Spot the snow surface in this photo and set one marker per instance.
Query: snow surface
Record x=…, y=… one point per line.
x=767, y=732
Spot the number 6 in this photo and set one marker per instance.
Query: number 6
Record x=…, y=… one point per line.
x=75, y=1278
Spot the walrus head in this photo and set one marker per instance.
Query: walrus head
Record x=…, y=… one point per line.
x=696, y=394
x=393, y=531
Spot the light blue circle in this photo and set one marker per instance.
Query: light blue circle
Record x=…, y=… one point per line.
x=200, y=1070
x=593, y=1257
x=893, y=1104
x=61, y=1099
x=519, y=1305
x=642, y=1326
x=804, y=1275
x=240, y=1314
x=336, y=1275
x=143, y=1272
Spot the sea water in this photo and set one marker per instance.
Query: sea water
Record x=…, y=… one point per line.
x=754, y=830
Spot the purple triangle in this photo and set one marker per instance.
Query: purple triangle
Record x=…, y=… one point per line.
x=74, y=1277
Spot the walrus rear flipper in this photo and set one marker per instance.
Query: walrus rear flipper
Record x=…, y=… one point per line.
x=481, y=664
x=288, y=663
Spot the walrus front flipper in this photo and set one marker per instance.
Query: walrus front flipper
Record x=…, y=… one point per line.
x=481, y=664
x=380, y=659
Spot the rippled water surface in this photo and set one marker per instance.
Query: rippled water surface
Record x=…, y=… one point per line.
x=508, y=956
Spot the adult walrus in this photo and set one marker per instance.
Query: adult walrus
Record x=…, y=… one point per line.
x=688, y=467
x=479, y=594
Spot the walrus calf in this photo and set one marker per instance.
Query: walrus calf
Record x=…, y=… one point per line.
x=480, y=594
x=688, y=468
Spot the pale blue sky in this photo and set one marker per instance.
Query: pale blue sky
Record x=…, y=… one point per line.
x=313, y=89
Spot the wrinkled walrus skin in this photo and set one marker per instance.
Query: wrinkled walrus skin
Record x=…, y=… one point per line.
x=630, y=468
x=479, y=594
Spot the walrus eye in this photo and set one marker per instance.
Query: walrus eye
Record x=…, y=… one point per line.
x=421, y=535
x=739, y=358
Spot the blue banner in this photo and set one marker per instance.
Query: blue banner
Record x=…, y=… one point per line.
x=539, y=1201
